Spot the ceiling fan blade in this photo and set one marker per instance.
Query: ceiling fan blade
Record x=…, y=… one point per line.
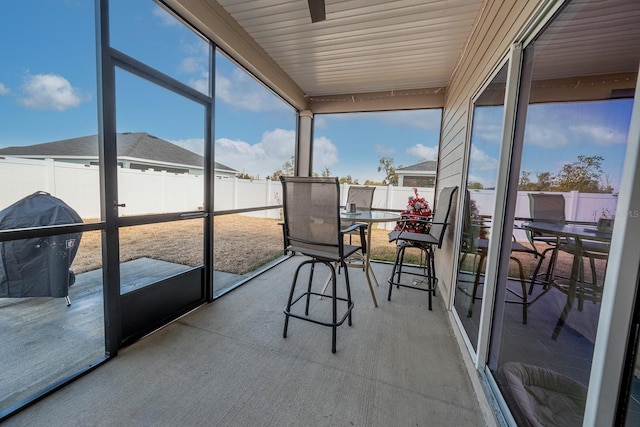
x=317, y=11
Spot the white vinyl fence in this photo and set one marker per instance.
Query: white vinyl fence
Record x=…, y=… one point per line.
x=145, y=192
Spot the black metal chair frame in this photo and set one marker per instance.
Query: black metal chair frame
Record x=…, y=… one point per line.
x=478, y=247
x=523, y=296
x=325, y=253
x=425, y=243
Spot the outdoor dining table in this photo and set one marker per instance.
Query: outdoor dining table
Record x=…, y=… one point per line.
x=370, y=217
x=578, y=233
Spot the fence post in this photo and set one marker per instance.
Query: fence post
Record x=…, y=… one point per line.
x=573, y=205
x=50, y=180
x=344, y=193
x=235, y=192
x=388, y=225
x=163, y=194
x=389, y=196
x=268, y=202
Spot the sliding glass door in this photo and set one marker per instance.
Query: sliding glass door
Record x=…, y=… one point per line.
x=478, y=203
x=565, y=172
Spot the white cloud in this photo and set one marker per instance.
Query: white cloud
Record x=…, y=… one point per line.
x=325, y=154
x=261, y=159
x=421, y=152
x=193, y=144
x=267, y=156
x=320, y=122
x=598, y=134
x=3, y=89
x=196, y=64
x=50, y=92
x=487, y=125
x=546, y=135
x=192, y=65
x=200, y=84
x=481, y=161
x=243, y=92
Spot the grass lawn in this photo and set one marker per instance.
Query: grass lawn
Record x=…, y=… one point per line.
x=241, y=245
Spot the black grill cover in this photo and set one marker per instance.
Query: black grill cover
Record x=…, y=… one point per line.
x=37, y=267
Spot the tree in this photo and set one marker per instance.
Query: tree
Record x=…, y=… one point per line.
x=524, y=183
x=370, y=182
x=546, y=181
x=474, y=185
x=582, y=175
x=287, y=169
x=386, y=164
x=606, y=183
x=325, y=173
x=348, y=180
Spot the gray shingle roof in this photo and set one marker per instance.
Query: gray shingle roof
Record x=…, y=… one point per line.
x=139, y=145
x=426, y=166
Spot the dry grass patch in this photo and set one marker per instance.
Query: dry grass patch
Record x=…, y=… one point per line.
x=241, y=244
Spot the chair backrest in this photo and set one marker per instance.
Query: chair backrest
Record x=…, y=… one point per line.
x=361, y=196
x=311, y=208
x=546, y=207
x=441, y=214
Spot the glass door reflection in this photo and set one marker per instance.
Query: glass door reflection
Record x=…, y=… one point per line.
x=478, y=201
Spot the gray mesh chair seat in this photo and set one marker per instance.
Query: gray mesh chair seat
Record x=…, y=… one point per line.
x=425, y=277
x=312, y=228
x=549, y=208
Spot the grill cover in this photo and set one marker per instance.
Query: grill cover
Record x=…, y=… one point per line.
x=37, y=267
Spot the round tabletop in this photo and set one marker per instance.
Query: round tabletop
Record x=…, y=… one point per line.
x=370, y=216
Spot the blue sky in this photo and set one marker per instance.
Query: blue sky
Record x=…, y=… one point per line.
x=48, y=92
x=555, y=134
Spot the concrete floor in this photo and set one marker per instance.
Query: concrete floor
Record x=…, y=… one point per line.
x=228, y=364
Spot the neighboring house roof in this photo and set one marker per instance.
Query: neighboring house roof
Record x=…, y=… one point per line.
x=426, y=166
x=138, y=145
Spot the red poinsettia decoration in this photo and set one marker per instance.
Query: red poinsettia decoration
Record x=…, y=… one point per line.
x=417, y=209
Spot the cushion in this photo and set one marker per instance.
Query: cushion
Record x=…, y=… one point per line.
x=539, y=397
